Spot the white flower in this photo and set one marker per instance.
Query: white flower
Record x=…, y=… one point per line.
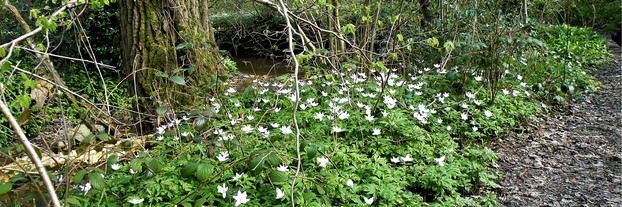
x=343, y=115
x=319, y=116
x=250, y=117
x=519, y=77
x=136, y=201
x=475, y=128
x=160, y=130
x=470, y=95
x=282, y=168
x=115, y=166
x=262, y=129
x=240, y=198
x=322, y=161
x=369, y=201
x=350, y=183
x=286, y=130
x=276, y=110
x=223, y=190
x=407, y=158
x=376, y=132
x=337, y=129
x=395, y=159
x=505, y=91
x=132, y=171
x=369, y=117
x=463, y=116
x=275, y=125
x=160, y=138
x=85, y=188
x=247, y=129
x=390, y=102
x=237, y=176
x=185, y=134
x=223, y=156
x=487, y=113
x=279, y=193
x=440, y=161
x=478, y=78
x=464, y=106
x=448, y=128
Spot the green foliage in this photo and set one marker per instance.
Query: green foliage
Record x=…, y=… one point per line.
x=404, y=125
x=230, y=66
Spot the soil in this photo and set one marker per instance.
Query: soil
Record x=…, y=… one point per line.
x=570, y=156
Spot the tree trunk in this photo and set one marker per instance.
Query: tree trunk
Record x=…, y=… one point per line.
x=150, y=30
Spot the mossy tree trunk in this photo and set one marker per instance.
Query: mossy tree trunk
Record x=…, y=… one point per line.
x=151, y=30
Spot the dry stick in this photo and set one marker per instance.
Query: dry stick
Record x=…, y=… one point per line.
x=284, y=12
x=29, y=149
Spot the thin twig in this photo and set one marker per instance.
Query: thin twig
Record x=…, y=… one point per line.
x=284, y=12
x=68, y=58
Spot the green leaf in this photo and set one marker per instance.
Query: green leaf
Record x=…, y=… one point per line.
x=255, y=162
x=204, y=171
x=180, y=46
x=5, y=66
x=432, y=41
x=103, y=137
x=74, y=201
x=348, y=29
x=161, y=110
x=449, y=46
x=320, y=189
x=189, y=169
x=311, y=152
x=273, y=159
x=136, y=165
x=2, y=52
x=154, y=165
x=161, y=74
x=277, y=176
x=308, y=196
x=97, y=181
x=199, y=122
x=5, y=188
x=112, y=159
x=77, y=178
x=200, y=202
x=400, y=37
x=177, y=79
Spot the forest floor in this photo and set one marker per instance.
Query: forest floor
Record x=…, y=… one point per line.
x=571, y=156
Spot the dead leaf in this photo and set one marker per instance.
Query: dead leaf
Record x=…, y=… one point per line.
x=41, y=93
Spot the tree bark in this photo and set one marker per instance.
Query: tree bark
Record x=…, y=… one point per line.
x=150, y=31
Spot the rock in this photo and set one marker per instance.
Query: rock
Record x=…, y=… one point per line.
x=80, y=132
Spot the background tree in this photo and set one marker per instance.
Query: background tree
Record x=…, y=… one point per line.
x=165, y=42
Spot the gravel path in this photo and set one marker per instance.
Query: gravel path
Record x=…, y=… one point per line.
x=571, y=157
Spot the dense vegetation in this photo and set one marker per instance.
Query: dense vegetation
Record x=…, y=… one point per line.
x=396, y=104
